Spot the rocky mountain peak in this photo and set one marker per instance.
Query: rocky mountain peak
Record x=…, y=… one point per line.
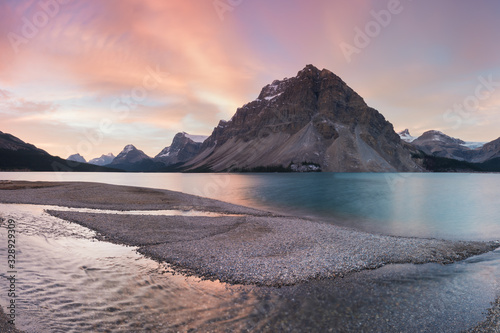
x=77, y=158
x=304, y=115
x=184, y=147
x=130, y=154
x=103, y=160
x=405, y=132
x=434, y=135
x=406, y=136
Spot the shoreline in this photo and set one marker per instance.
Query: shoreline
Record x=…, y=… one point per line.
x=253, y=247
x=5, y=325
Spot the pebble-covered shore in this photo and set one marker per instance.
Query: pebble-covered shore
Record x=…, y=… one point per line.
x=257, y=247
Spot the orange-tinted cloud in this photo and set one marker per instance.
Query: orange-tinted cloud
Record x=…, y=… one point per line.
x=90, y=54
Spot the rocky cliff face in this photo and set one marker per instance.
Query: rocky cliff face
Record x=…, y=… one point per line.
x=312, y=119
x=183, y=148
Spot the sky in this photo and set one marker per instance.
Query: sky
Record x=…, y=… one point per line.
x=91, y=76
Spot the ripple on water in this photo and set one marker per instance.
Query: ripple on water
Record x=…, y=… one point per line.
x=69, y=282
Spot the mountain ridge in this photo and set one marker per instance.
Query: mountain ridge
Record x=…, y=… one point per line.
x=17, y=155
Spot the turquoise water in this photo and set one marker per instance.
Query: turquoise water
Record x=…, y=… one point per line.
x=449, y=206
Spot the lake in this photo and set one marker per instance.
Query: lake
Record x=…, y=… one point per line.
x=69, y=282
x=436, y=205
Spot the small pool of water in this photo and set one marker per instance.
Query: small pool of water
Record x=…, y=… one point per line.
x=166, y=212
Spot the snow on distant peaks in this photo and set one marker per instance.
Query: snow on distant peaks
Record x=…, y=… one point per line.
x=196, y=138
x=128, y=148
x=406, y=136
x=473, y=145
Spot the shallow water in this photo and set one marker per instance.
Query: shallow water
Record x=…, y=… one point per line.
x=69, y=282
x=436, y=205
x=163, y=212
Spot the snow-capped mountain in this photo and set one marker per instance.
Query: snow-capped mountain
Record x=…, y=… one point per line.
x=183, y=148
x=314, y=120
x=406, y=136
x=77, y=158
x=436, y=143
x=130, y=154
x=103, y=160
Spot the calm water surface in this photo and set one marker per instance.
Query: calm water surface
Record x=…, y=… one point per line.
x=449, y=206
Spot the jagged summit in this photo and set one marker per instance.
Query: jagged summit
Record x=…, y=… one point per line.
x=313, y=118
x=77, y=158
x=406, y=136
x=129, y=154
x=103, y=160
x=184, y=147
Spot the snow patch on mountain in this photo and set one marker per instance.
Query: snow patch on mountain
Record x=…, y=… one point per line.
x=196, y=138
x=473, y=145
x=406, y=136
x=128, y=148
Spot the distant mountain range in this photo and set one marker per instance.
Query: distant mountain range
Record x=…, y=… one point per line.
x=183, y=148
x=311, y=122
x=480, y=155
x=17, y=155
x=103, y=160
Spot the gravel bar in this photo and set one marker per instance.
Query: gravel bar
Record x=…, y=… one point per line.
x=256, y=247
